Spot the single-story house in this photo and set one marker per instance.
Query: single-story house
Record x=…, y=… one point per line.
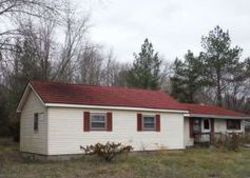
x=57, y=118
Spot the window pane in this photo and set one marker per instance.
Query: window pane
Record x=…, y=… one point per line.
x=149, y=119
x=149, y=125
x=196, y=121
x=98, y=125
x=98, y=118
x=233, y=124
x=36, y=122
x=206, y=124
x=149, y=122
x=98, y=121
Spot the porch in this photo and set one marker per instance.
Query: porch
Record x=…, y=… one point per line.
x=203, y=130
x=205, y=123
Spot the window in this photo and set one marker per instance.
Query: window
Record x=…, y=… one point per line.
x=149, y=123
x=206, y=124
x=36, y=119
x=233, y=124
x=98, y=122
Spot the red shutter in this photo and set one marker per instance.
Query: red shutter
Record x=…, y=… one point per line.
x=139, y=122
x=109, y=121
x=158, y=123
x=86, y=122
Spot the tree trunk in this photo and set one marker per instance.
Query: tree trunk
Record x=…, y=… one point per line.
x=218, y=93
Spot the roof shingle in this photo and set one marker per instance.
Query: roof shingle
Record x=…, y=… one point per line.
x=64, y=93
x=81, y=94
x=211, y=110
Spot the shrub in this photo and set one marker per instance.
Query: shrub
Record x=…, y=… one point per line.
x=234, y=142
x=219, y=141
x=230, y=142
x=245, y=139
x=107, y=151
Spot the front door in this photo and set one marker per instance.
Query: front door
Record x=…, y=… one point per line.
x=196, y=126
x=202, y=129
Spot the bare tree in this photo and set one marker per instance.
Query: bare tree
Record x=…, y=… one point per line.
x=166, y=73
x=33, y=48
x=110, y=70
x=90, y=65
x=74, y=34
x=12, y=9
x=40, y=36
x=29, y=7
x=114, y=72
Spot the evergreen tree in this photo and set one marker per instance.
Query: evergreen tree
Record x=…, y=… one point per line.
x=247, y=63
x=220, y=59
x=187, y=78
x=145, y=72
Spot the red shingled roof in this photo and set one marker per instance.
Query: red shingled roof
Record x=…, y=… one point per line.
x=211, y=110
x=63, y=93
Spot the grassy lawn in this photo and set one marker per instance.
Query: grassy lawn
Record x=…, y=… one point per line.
x=192, y=163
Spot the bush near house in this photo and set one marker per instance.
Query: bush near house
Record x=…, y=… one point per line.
x=245, y=138
x=247, y=126
x=191, y=163
x=232, y=141
x=107, y=151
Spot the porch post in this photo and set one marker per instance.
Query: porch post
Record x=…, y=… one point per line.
x=212, y=131
x=191, y=133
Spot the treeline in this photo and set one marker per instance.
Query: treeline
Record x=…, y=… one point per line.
x=218, y=75
x=49, y=41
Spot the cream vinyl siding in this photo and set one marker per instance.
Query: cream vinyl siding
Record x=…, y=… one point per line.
x=31, y=141
x=65, y=128
x=220, y=125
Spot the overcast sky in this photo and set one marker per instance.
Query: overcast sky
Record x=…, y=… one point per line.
x=173, y=26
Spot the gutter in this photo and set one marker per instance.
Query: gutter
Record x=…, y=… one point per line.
x=115, y=108
x=218, y=116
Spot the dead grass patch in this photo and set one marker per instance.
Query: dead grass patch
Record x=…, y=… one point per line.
x=191, y=163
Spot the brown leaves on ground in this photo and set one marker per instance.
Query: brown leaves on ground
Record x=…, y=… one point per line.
x=191, y=163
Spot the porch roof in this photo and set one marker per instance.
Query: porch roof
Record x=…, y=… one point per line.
x=209, y=111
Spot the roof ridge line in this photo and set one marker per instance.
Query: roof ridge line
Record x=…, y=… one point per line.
x=93, y=85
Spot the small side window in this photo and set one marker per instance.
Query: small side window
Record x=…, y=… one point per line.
x=36, y=120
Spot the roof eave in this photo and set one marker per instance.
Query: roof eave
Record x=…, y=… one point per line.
x=125, y=108
x=219, y=116
x=25, y=94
